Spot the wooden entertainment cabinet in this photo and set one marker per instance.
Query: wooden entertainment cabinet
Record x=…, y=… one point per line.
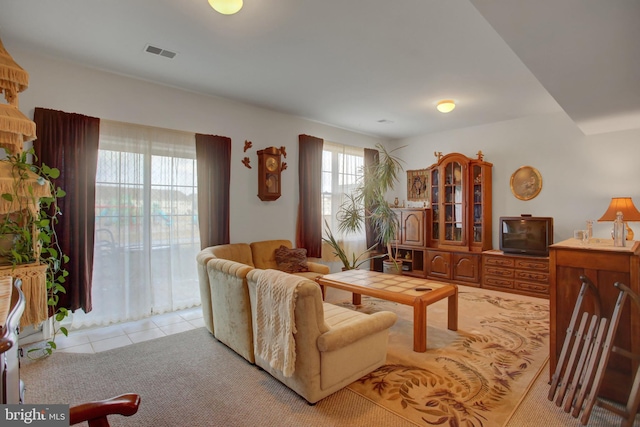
x=451, y=241
x=445, y=242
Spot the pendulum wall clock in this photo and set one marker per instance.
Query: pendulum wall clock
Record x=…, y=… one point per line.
x=269, y=169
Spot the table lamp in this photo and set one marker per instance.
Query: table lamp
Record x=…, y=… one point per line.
x=629, y=213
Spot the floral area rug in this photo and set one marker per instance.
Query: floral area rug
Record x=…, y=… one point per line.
x=472, y=377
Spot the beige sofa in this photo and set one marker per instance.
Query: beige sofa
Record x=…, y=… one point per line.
x=334, y=346
x=222, y=272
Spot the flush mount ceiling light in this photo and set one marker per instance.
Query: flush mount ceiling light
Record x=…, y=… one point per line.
x=446, y=105
x=226, y=7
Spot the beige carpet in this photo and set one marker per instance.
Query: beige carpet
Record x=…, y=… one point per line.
x=471, y=377
x=190, y=379
x=536, y=410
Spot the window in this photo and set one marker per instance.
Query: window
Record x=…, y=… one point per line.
x=342, y=168
x=147, y=236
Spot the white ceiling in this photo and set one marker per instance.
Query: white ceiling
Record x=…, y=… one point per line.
x=354, y=63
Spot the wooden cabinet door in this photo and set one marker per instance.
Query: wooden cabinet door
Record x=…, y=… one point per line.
x=480, y=201
x=461, y=199
x=412, y=224
x=439, y=265
x=453, y=208
x=466, y=267
x=435, y=206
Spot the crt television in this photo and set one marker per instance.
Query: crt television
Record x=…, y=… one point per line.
x=526, y=235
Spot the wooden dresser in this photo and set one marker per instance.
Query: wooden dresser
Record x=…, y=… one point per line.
x=525, y=275
x=604, y=265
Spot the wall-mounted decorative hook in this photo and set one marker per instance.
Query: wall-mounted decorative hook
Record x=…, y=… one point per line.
x=283, y=151
x=247, y=145
x=283, y=166
x=246, y=162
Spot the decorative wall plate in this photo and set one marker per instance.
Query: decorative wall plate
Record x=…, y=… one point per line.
x=526, y=183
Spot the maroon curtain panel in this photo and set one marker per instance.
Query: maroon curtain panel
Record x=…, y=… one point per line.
x=309, y=226
x=69, y=142
x=371, y=157
x=213, y=154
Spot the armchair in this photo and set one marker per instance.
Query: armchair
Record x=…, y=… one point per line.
x=95, y=413
x=222, y=272
x=334, y=346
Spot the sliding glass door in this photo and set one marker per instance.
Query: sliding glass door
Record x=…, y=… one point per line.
x=147, y=233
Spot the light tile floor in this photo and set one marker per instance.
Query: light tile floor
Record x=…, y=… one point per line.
x=95, y=340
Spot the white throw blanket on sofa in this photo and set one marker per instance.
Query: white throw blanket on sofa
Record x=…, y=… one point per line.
x=275, y=320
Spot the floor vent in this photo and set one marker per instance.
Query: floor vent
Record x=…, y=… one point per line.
x=159, y=51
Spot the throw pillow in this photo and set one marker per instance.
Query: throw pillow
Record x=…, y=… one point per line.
x=291, y=260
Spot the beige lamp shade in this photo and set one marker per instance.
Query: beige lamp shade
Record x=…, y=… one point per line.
x=15, y=129
x=624, y=205
x=13, y=78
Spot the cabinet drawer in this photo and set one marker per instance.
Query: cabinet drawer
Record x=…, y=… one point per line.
x=535, y=276
x=497, y=271
x=532, y=287
x=498, y=282
x=499, y=261
x=532, y=264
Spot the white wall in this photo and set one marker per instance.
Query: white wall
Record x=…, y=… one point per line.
x=68, y=87
x=580, y=174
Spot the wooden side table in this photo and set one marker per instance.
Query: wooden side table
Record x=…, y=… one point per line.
x=604, y=265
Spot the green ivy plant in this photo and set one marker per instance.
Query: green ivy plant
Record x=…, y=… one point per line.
x=34, y=236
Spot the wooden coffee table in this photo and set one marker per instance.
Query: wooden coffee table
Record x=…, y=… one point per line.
x=400, y=289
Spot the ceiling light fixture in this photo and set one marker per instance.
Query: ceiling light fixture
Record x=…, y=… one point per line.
x=446, y=105
x=226, y=7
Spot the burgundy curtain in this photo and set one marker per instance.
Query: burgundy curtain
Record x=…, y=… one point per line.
x=69, y=142
x=370, y=159
x=213, y=155
x=309, y=227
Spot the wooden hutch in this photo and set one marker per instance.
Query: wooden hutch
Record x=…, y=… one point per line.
x=451, y=240
x=445, y=242
x=460, y=197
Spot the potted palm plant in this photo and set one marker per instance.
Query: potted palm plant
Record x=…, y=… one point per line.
x=348, y=263
x=368, y=203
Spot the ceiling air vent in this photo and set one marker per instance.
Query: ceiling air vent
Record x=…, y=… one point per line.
x=159, y=51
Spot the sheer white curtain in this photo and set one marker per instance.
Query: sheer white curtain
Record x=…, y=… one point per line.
x=146, y=224
x=342, y=168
